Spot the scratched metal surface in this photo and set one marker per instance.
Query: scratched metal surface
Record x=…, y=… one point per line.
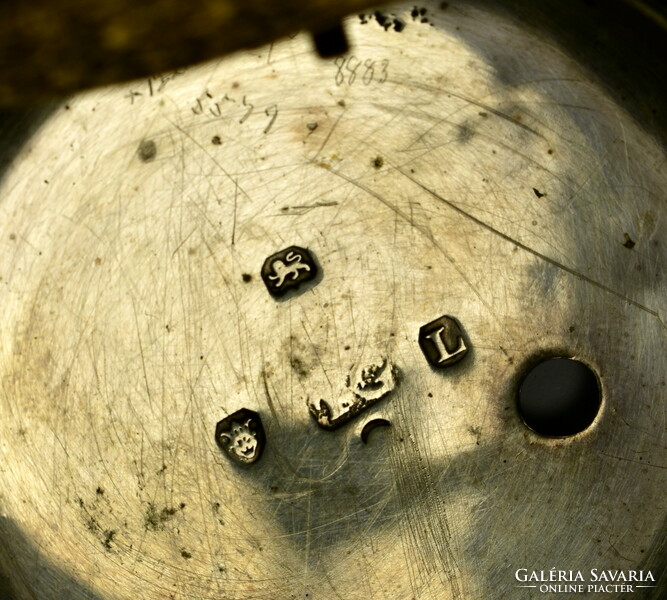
x=426, y=182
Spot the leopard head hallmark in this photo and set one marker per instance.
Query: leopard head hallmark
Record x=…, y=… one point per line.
x=241, y=436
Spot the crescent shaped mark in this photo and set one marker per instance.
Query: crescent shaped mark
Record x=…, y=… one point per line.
x=365, y=432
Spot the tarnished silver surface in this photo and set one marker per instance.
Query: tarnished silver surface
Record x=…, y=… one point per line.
x=464, y=167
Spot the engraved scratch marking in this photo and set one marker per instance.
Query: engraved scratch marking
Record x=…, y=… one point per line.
x=269, y=400
x=185, y=239
x=141, y=353
x=202, y=475
x=275, y=450
x=326, y=139
x=315, y=350
x=213, y=159
x=425, y=151
x=632, y=460
x=425, y=532
x=236, y=197
x=486, y=107
x=272, y=113
x=539, y=255
x=421, y=228
x=302, y=209
x=594, y=171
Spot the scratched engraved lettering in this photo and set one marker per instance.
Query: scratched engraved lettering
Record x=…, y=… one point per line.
x=243, y=110
x=248, y=112
x=153, y=85
x=272, y=113
x=288, y=270
x=368, y=385
x=200, y=102
x=241, y=436
x=442, y=342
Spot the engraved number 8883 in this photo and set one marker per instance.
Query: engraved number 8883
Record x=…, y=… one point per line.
x=368, y=70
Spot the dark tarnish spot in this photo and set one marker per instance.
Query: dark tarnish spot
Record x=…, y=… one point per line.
x=477, y=432
x=247, y=277
x=538, y=193
x=216, y=512
x=109, y=534
x=155, y=519
x=387, y=22
x=382, y=19
x=419, y=14
x=147, y=150
x=378, y=162
x=629, y=242
x=92, y=525
x=186, y=554
x=465, y=133
x=216, y=140
x=298, y=367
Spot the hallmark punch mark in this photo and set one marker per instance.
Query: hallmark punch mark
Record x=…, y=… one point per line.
x=288, y=270
x=442, y=342
x=370, y=426
x=369, y=385
x=241, y=436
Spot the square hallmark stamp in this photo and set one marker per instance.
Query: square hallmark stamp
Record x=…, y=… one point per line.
x=442, y=342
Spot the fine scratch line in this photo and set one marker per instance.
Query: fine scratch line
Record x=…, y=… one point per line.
x=479, y=104
x=269, y=400
x=407, y=218
x=226, y=173
x=236, y=197
x=326, y=139
x=544, y=257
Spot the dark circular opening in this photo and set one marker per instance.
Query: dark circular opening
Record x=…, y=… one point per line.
x=559, y=397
